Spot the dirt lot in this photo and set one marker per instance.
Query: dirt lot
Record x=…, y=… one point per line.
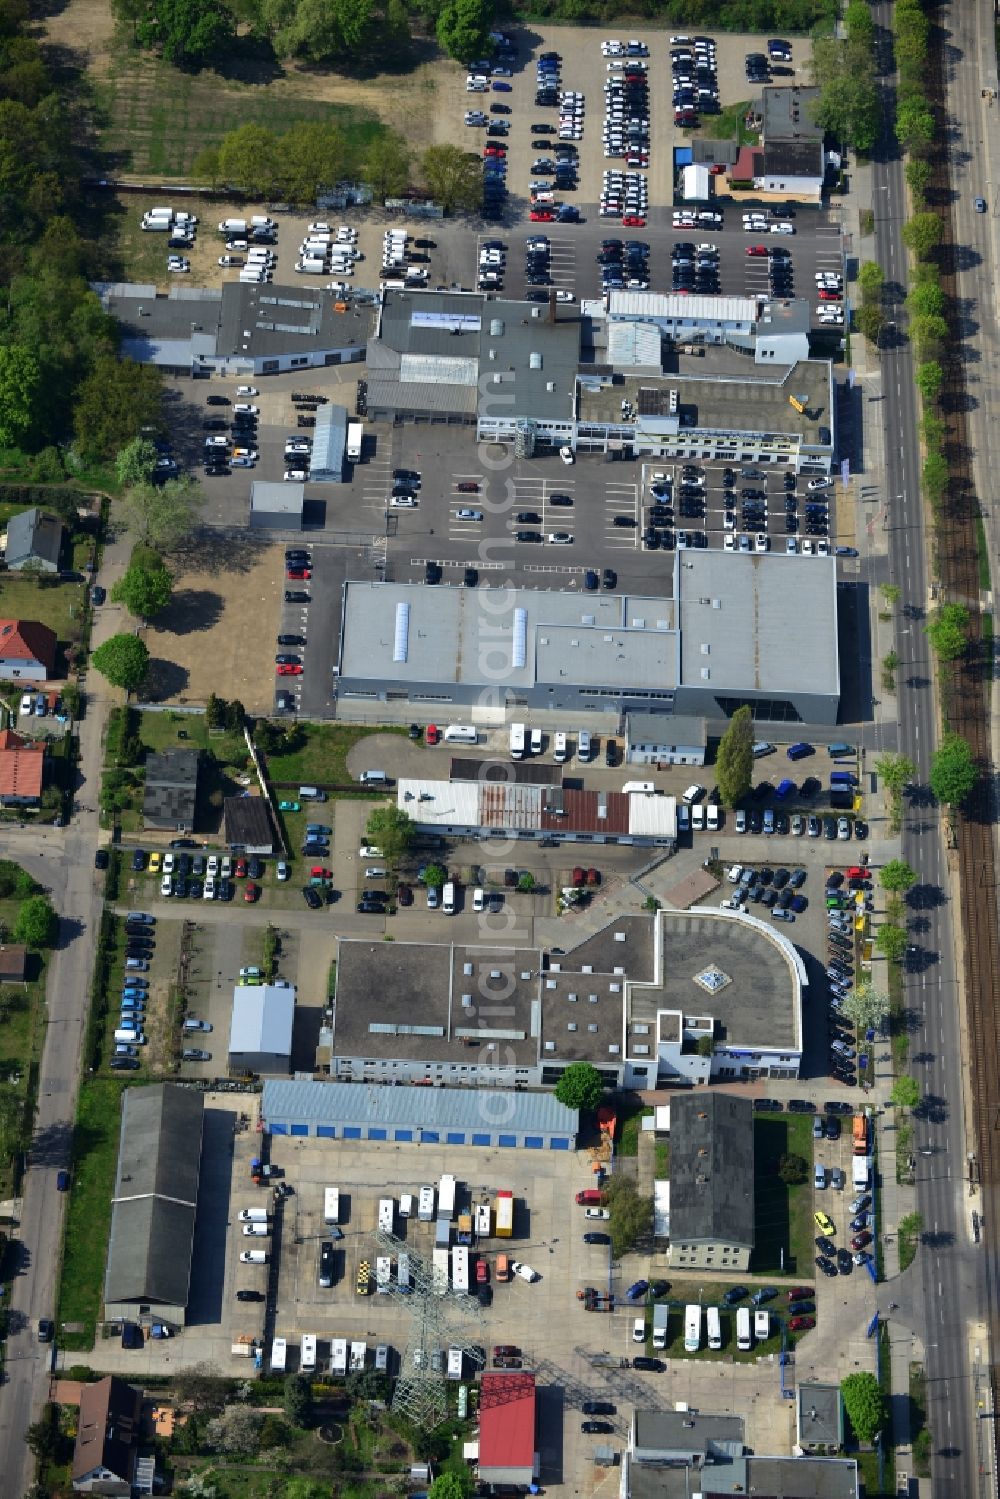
x=218, y=633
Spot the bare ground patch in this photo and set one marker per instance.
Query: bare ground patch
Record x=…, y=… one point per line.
x=218, y=634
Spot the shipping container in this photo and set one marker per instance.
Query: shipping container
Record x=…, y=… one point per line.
x=338, y=1356
x=505, y=1215
x=440, y=1267
x=692, y=1328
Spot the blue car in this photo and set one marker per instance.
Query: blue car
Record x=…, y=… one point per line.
x=799, y=751
x=637, y=1290
x=501, y=88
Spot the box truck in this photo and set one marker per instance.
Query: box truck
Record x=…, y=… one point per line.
x=446, y=1197
x=279, y=1354
x=387, y=1214
x=156, y=226
x=483, y=1220
x=310, y=267
x=744, y=1342
x=692, y=1328
x=406, y=1204
x=244, y=1349
x=590, y=1197
x=442, y=1233
x=762, y=1326
x=440, y=1265
x=505, y=1215
x=661, y=1312
x=307, y=1353
x=859, y=1129
x=331, y=1205
x=338, y=1356
x=713, y=1324
x=233, y=226
x=253, y=1215
x=425, y=1205
x=860, y=1172
x=460, y=1268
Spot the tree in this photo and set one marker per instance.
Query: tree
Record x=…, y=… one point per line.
x=928, y=333
x=864, y=1404
x=896, y=771
x=915, y=125
x=312, y=156
x=298, y=1401
x=463, y=28
x=215, y=712
x=42, y=1437
x=866, y=1007
x=890, y=940
x=579, y=1086
x=136, y=462
x=13, y=1136
x=947, y=631
x=927, y=300
x=918, y=175
x=631, y=1214
x=20, y=385
x=207, y=166
x=145, y=591
x=188, y=31
x=734, y=761
x=526, y=882
x=929, y=378
x=123, y=660
x=953, y=770
x=387, y=165
x=113, y=403
x=37, y=924
x=236, y=716
x=454, y=177
x=236, y=1431
x=905, y=1093
x=202, y=1387
x=896, y=875
x=869, y=321
x=793, y=1170
x=871, y=281
x=847, y=105
x=450, y=1486
x=161, y=515
x=392, y=830
x=922, y=234
x=435, y=876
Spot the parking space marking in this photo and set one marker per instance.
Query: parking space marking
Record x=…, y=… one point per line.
x=621, y=500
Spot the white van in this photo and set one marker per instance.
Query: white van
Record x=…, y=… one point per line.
x=127, y=1036
x=460, y=733
x=639, y=788
x=698, y=817
x=583, y=746
x=560, y=753
x=448, y=899
x=536, y=741
x=714, y=1324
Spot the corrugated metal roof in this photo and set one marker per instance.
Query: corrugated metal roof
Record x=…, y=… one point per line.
x=652, y=816
x=588, y=812
x=653, y=304
x=509, y=804
x=634, y=345
x=457, y=1108
x=262, y=1019
x=329, y=441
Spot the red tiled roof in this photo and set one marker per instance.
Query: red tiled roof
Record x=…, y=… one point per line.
x=9, y=740
x=27, y=640
x=21, y=771
x=506, y=1421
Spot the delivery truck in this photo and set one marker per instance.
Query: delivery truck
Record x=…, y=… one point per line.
x=505, y=1215
x=233, y=226
x=355, y=439
x=661, y=1312
x=446, y=1197
x=861, y=1166
x=338, y=1356
x=460, y=1268
x=311, y=267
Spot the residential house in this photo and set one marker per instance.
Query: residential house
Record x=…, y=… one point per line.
x=34, y=541
x=171, y=790
x=22, y=770
x=27, y=651
x=107, y=1437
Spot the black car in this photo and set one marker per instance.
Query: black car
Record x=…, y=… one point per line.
x=312, y=898
x=296, y=596
x=597, y=1238
x=432, y=572
x=801, y=1106
x=224, y=890
x=597, y=1408
x=250, y=1296
x=591, y=580
x=827, y=1266
x=768, y=1105
x=653, y=1365
x=825, y=1246
x=596, y=1426
x=370, y=908
x=837, y=1106
x=735, y=1294
x=610, y=754
x=124, y=1064
x=844, y=1263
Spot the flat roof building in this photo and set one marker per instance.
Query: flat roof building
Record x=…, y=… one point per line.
x=724, y=639
x=711, y=1182
x=260, y=1031
x=276, y=506
x=171, y=790
x=247, y=825
x=507, y=1421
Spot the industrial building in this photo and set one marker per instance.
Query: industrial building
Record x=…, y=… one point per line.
x=507, y=1429
x=276, y=506
x=412, y=1115
x=247, y=825
x=735, y=631
x=153, y=1208
x=236, y=328
x=484, y=808
x=659, y=739
x=711, y=1182
x=260, y=1031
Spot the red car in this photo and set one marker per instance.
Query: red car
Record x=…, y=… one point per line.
x=801, y=1324
x=251, y=892
x=858, y=874
x=298, y=572
x=432, y=734
x=319, y=873
x=579, y=876
x=240, y=869
x=541, y=216
x=633, y=221
x=593, y=876
x=800, y=1293
x=860, y=1240
x=760, y=250
x=495, y=151
x=825, y=294
x=482, y=1273
x=288, y=671
x=468, y=486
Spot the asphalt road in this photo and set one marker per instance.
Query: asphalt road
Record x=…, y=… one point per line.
x=947, y=1286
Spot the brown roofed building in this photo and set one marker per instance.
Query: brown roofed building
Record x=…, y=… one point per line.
x=13, y=963
x=22, y=770
x=107, y=1437
x=27, y=650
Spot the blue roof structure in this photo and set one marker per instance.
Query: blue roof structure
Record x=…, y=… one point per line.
x=315, y=1103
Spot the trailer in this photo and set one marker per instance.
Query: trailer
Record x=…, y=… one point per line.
x=440, y=1267
x=331, y=1205
x=279, y=1355
x=442, y=1233
x=355, y=439
x=447, y=1187
x=425, y=1205
x=338, y=1356
x=460, y=1268
x=307, y=1353
x=359, y=1353
x=387, y=1214
x=383, y=1275
x=661, y=1313
x=454, y=1363
x=505, y=1215
x=483, y=1216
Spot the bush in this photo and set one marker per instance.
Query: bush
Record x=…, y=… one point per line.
x=793, y=1170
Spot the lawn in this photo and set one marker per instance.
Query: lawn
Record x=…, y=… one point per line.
x=630, y=1117
x=160, y=731
x=783, y=1214
x=88, y=1220
x=22, y=1031
x=317, y=755
x=710, y=1293
x=61, y=606
x=156, y=119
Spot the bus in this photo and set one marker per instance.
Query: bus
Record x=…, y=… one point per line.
x=692, y=1328
x=744, y=1342
x=714, y=1323
x=355, y=437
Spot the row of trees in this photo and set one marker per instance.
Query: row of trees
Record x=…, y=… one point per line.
x=843, y=69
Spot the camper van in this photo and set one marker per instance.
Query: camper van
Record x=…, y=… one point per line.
x=331, y=1205
x=692, y=1328
x=714, y=1323
x=744, y=1341
x=307, y=1353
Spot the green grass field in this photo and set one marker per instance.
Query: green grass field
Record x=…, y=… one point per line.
x=322, y=755
x=88, y=1220
x=710, y=1293
x=58, y=605
x=155, y=119
x=783, y=1214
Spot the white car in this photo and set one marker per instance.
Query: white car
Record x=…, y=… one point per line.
x=166, y=885
x=208, y=892
x=28, y=703
x=230, y=260
x=403, y=502
x=245, y=409
x=729, y=543
x=320, y=229
x=602, y=1213
x=564, y=296
x=465, y=514
x=178, y=267
x=823, y=483
x=213, y=865
x=783, y=228
x=761, y=543
x=566, y=454
x=524, y=1271
x=479, y=899
x=694, y=793
x=559, y=539
x=196, y=1025
x=295, y=476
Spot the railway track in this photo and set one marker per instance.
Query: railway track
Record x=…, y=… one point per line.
x=966, y=710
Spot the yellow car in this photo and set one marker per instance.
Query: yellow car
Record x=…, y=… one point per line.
x=824, y=1224
x=155, y=860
